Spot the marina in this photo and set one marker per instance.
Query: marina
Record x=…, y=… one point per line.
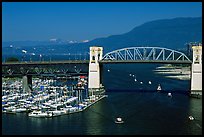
x=49, y=98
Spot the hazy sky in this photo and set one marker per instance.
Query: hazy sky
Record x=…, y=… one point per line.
x=85, y=20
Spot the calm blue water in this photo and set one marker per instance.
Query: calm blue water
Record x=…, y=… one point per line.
x=144, y=110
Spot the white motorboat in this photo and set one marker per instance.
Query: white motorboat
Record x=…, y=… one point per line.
x=150, y=82
x=169, y=94
x=11, y=108
x=56, y=112
x=34, y=107
x=40, y=114
x=19, y=110
x=119, y=120
x=191, y=118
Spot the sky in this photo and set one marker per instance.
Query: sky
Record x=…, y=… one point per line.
x=41, y=21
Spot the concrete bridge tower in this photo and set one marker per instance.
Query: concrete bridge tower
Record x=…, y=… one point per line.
x=196, y=72
x=27, y=83
x=94, y=83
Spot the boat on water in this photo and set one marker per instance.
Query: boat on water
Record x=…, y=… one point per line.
x=191, y=118
x=159, y=88
x=119, y=120
x=40, y=114
x=56, y=113
x=19, y=110
x=169, y=94
x=150, y=82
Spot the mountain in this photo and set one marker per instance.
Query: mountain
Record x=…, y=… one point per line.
x=169, y=33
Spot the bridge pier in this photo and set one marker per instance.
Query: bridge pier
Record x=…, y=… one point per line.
x=94, y=77
x=196, y=72
x=27, y=83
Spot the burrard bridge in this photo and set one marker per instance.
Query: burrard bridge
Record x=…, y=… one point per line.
x=92, y=66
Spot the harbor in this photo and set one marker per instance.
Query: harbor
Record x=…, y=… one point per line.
x=133, y=107
x=48, y=97
x=101, y=68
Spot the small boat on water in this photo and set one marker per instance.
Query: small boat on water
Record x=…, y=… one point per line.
x=159, y=88
x=119, y=120
x=191, y=118
x=169, y=94
x=9, y=112
x=19, y=110
x=150, y=82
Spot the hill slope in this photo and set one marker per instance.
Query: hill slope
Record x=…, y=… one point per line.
x=169, y=33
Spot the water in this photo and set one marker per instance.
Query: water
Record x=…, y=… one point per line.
x=143, y=110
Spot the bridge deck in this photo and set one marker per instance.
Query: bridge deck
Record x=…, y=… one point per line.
x=102, y=61
x=47, y=62
x=145, y=61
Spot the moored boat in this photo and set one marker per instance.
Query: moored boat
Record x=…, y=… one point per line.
x=40, y=114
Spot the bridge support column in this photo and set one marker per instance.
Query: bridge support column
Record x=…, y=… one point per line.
x=94, y=82
x=27, y=83
x=196, y=72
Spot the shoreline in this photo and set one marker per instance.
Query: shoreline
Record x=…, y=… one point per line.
x=174, y=72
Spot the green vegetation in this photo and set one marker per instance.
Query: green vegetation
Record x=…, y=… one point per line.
x=12, y=59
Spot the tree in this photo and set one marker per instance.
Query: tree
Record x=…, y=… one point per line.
x=12, y=59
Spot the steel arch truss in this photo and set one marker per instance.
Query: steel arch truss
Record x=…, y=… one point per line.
x=151, y=54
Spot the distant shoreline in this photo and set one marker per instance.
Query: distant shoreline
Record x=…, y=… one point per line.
x=175, y=72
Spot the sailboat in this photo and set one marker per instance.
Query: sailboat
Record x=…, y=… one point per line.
x=159, y=87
